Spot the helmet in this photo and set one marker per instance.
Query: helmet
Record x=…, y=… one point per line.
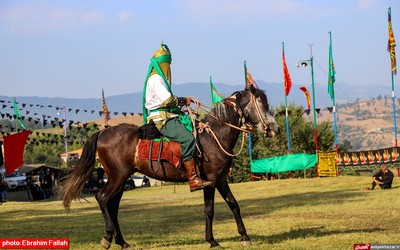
x=163, y=57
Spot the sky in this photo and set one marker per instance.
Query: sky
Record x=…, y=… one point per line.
x=74, y=48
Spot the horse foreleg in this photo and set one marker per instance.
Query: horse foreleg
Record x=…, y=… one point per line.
x=209, y=195
x=225, y=191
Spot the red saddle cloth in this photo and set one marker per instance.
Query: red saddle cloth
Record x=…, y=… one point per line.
x=170, y=151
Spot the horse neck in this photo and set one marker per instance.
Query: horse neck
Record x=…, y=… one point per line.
x=218, y=118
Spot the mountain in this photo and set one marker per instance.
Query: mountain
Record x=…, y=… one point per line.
x=88, y=109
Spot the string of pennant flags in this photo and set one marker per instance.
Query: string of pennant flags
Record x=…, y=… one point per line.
x=100, y=112
x=48, y=138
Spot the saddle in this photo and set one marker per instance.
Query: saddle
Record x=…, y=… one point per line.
x=160, y=149
x=153, y=147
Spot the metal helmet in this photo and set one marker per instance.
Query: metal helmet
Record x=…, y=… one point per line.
x=163, y=57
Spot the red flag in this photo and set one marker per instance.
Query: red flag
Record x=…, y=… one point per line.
x=286, y=76
x=304, y=89
x=14, y=146
x=250, y=80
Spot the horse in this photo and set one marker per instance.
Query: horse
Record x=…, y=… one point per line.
x=117, y=145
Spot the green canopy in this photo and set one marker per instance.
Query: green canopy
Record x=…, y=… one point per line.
x=284, y=163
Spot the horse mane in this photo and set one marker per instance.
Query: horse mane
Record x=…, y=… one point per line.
x=225, y=112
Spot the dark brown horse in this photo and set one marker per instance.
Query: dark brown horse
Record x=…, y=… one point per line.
x=116, y=148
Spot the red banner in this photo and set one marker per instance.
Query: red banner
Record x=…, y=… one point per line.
x=14, y=146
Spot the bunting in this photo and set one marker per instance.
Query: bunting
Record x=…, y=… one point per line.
x=391, y=44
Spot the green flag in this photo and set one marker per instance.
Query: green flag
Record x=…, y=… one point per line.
x=18, y=115
x=332, y=72
x=215, y=97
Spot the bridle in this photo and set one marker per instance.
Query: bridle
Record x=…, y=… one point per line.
x=231, y=101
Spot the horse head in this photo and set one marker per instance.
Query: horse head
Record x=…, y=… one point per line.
x=255, y=108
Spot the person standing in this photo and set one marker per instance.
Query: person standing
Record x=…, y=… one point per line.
x=3, y=190
x=163, y=108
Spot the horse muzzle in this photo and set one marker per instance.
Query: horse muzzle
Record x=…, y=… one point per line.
x=272, y=132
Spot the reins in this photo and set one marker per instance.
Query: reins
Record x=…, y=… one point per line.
x=205, y=126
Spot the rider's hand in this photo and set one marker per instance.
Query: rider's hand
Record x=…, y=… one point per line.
x=188, y=101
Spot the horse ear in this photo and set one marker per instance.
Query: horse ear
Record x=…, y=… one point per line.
x=250, y=87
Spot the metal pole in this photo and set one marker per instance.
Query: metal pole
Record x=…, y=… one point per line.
x=65, y=137
x=315, y=113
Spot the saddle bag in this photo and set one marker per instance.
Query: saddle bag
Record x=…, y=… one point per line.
x=149, y=131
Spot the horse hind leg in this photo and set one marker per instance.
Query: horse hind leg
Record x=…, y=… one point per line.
x=113, y=207
x=109, y=199
x=225, y=191
x=103, y=200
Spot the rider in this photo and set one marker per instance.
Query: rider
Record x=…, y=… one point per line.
x=162, y=107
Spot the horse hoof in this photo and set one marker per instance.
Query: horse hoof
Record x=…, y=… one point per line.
x=126, y=246
x=215, y=245
x=246, y=243
x=105, y=243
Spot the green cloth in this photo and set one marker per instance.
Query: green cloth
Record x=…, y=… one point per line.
x=284, y=163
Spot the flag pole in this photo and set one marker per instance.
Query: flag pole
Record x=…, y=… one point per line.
x=286, y=107
x=248, y=134
x=16, y=115
x=391, y=48
x=66, y=137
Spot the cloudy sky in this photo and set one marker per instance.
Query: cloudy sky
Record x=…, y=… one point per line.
x=74, y=48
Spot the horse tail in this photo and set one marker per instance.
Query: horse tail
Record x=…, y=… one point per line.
x=72, y=186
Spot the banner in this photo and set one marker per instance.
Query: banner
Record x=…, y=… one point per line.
x=14, y=146
x=327, y=164
x=284, y=163
x=368, y=158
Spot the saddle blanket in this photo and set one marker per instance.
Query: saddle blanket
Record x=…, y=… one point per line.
x=170, y=151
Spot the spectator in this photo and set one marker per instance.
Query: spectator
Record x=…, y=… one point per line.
x=383, y=178
x=3, y=191
x=145, y=182
x=35, y=190
x=230, y=175
x=47, y=184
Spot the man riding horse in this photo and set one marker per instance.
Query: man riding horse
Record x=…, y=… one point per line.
x=163, y=108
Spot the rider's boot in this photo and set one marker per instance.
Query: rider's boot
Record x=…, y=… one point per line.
x=195, y=182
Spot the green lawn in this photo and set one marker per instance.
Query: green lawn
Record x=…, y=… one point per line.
x=320, y=213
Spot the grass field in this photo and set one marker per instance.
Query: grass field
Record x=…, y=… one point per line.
x=320, y=213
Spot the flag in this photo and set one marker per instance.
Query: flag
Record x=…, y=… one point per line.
x=215, y=96
x=391, y=44
x=331, y=72
x=304, y=89
x=249, y=80
x=287, y=84
x=105, y=110
x=14, y=146
x=18, y=114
